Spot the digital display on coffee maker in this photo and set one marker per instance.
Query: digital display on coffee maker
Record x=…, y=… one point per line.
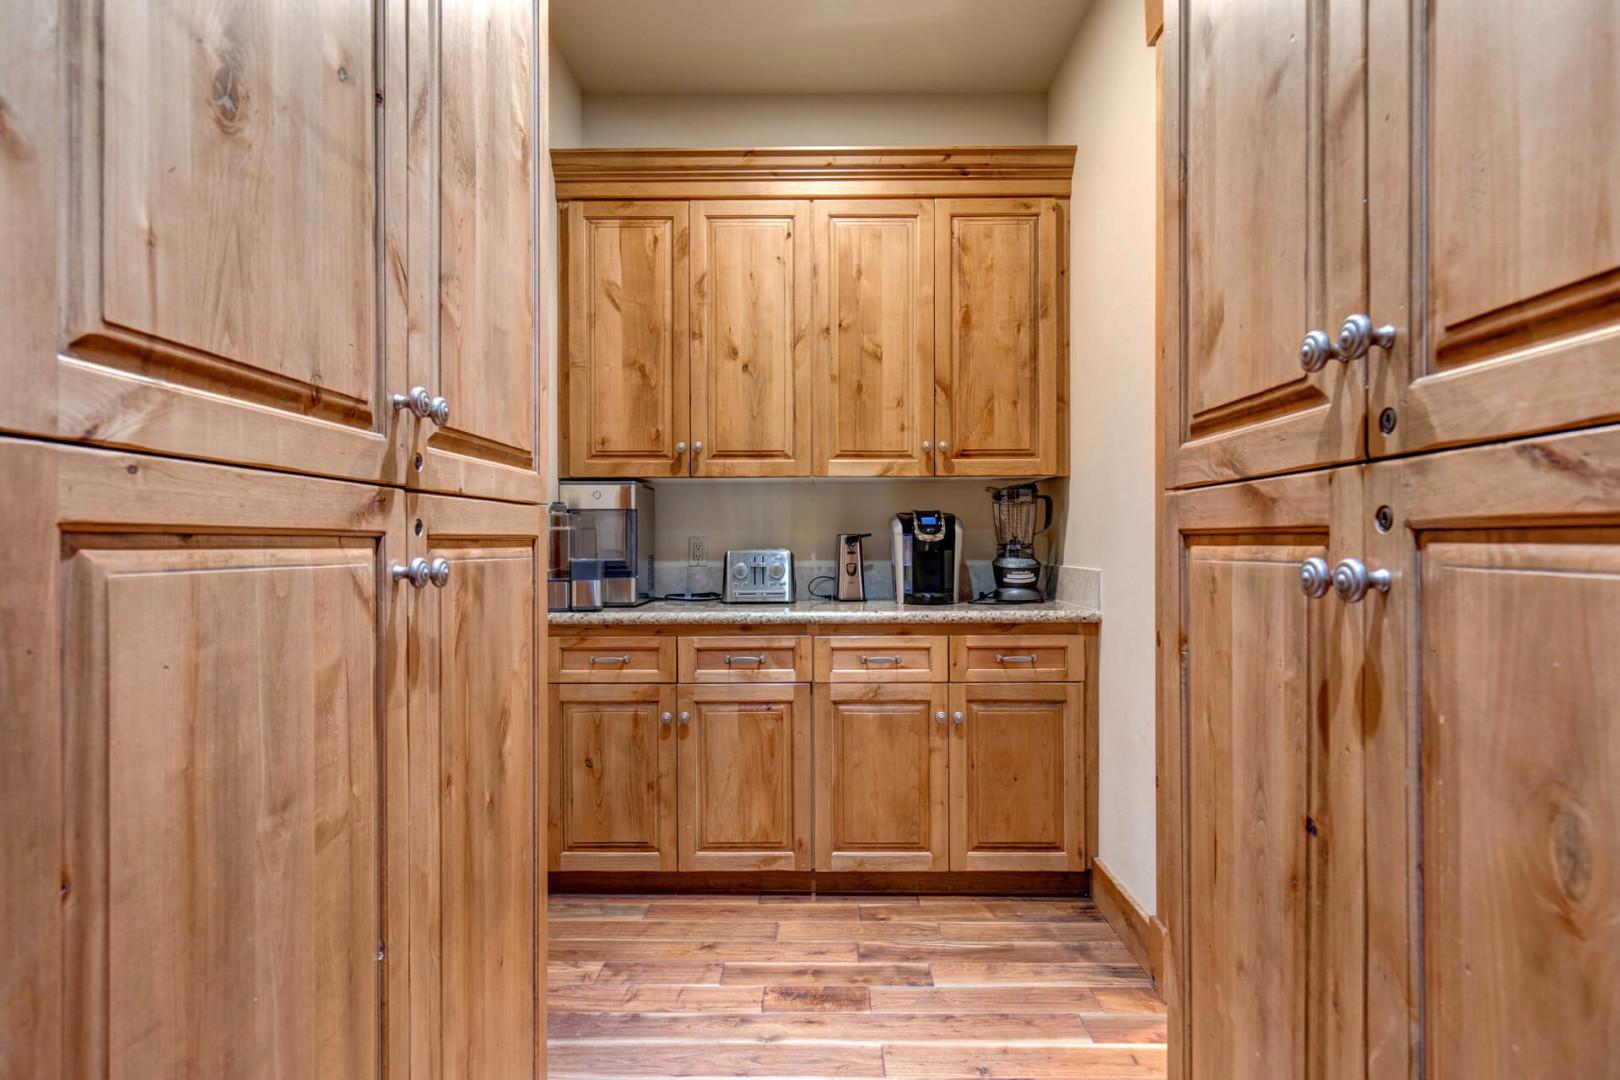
x=929, y=519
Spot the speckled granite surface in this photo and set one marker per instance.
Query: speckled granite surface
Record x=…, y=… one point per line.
x=877, y=612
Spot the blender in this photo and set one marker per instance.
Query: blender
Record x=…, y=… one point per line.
x=1017, y=570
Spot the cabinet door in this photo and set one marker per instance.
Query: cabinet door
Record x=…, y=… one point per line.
x=1018, y=767
x=203, y=781
x=627, y=411
x=205, y=217
x=477, y=913
x=874, y=337
x=1497, y=232
x=1264, y=234
x=613, y=777
x=882, y=753
x=474, y=337
x=751, y=338
x=997, y=351
x=1494, y=766
x=744, y=777
x=1261, y=863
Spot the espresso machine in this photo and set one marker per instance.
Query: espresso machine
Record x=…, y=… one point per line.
x=610, y=558
x=1018, y=572
x=926, y=551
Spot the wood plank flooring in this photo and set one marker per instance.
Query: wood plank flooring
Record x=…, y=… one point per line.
x=907, y=986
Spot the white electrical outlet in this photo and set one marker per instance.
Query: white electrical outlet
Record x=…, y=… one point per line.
x=697, y=551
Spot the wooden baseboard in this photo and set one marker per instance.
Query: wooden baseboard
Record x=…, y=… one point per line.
x=1143, y=934
x=1027, y=883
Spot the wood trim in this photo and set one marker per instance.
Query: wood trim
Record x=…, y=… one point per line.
x=813, y=172
x=1021, y=883
x=1154, y=12
x=1143, y=934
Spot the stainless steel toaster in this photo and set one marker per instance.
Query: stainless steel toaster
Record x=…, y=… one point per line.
x=759, y=576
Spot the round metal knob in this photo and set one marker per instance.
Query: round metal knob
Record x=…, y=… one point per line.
x=423, y=405
x=697, y=448
x=418, y=572
x=1314, y=578
x=685, y=717
x=1316, y=350
x=439, y=573
x=944, y=446
x=680, y=448
x=928, y=446
x=666, y=718
x=439, y=411
x=1352, y=579
x=939, y=717
x=1358, y=334
x=958, y=718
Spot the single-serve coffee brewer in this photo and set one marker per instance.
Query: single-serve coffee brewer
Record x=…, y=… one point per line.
x=1018, y=572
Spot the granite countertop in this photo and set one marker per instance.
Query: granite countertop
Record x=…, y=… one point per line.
x=876, y=612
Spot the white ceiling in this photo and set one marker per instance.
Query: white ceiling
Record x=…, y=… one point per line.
x=814, y=46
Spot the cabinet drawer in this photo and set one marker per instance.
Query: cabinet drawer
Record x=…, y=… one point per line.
x=881, y=658
x=1018, y=658
x=644, y=659
x=745, y=659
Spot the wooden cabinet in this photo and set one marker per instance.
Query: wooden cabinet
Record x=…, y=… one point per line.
x=1497, y=238
x=476, y=676
x=1493, y=753
x=874, y=337
x=750, y=378
x=882, y=776
x=744, y=777
x=205, y=776
x=758, y=658
x=882, y=658
x=596, y=658
x=1017, y=777
x=628, y=408
x=997, y=356
x=1264, y=234
x=816, y=342
x=612, y=774
x=473, y=328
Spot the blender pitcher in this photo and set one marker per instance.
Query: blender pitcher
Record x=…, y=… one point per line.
x=1017, y=571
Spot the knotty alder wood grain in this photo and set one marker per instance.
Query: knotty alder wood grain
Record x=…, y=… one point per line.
x=1057, y=1017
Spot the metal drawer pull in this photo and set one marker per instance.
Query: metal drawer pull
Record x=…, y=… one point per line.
x=755, y=660
x=879, y=659
x=610, y=659
x=1015, y=658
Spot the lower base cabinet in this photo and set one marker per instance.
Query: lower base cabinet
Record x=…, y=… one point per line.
x=613, y=762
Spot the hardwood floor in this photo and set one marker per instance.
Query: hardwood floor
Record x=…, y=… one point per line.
x=903, y=986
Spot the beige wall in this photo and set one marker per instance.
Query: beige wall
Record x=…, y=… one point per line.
x=814, y=119
x=1103, y=101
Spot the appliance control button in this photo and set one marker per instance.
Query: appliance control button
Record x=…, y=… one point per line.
x=777, y=570
x=739, y=570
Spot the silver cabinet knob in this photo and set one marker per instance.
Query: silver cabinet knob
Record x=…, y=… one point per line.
x=928, y=446
x=439, y=411
x=939, y=717
x=418, y=572
x=685, y=717
x=1352, y=579
x=697, y=448
x=439, y=573
x=423, y=405
x=665, y=718
x=958, y=718
x=1316, y=350
x=944, y=446
x=1314, y=577
x=1358, y=334
x=680, y=448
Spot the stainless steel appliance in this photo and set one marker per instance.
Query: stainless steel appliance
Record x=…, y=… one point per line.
x=620, y=515
x=1018, y=572
x=559, y=538
x=851, y=567
x=926, y=550
x=759, y=576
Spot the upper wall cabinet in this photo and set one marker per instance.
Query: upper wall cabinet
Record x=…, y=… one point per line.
x=206, y=206
x=816, y=343
x=1497, y=262
x=627, y=410
x=1264, y=237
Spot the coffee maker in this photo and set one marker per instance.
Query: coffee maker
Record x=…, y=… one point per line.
x=1018, y=572
x=611, y=553
x=926, y=551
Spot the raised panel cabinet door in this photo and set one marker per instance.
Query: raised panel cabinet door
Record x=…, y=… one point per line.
x=477, y=673
x=1264, y=236
x=1261, y=751
x=627, y=411
x=1494, y=767
x=874, y=336
x=612, y=777
x=744, y=777
x=203, y=781
x=211, y=204
x=474, y=339
x=1018, y=777
x=998, y=353
x=1496, y=254
x=751, y=338
x=882, y=782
